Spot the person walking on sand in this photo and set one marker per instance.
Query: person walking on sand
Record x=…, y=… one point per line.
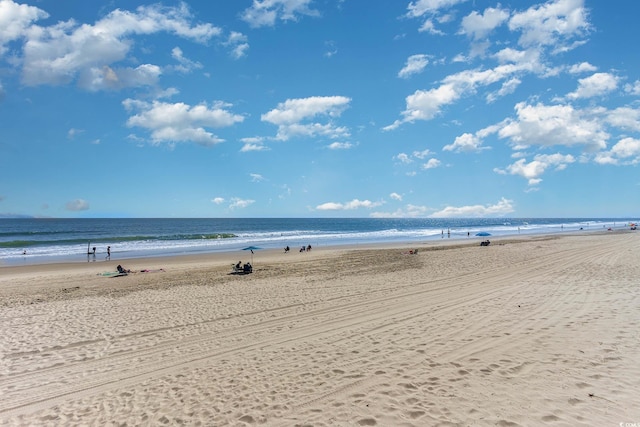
x=108, y=252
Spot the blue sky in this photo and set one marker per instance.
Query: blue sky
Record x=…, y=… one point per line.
x=319, y=108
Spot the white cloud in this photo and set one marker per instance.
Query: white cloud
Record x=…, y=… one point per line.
x=503, y=207
x=427, y=104
x=551, y=24
x=185, y=65
x=419, y=8
x=265, y=13
x=633, y=89
x=431, y=164
x=595, y=85
x=429, y=27
x=180, y=122
x=415, y=65
x=507, y=88
x=533, y=170
x=479, y=26
x=15, y=20
x=624, y=118
x=403, y=158
x=353, y=204
x=255, y=143
x=238, y=44
x=340, y=146
x=289, y=114
x=237, y=203
x=396, y=196
x=553, y=125
x=554, y=24
x=465, y=143
x=107, y=78
x=77, y=205
x=625, y=152
x=433, y=10
x=65, y=51
x=421, y=154
x=218, y=200
x=247, y=147
x=626, y=147
x=583, y=67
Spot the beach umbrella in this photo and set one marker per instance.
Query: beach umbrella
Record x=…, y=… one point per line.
x=251, y=248
x=483, y=234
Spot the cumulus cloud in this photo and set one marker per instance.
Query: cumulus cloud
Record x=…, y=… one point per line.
x=77, y=205
x=265, y=13
x=396, y=196
x=597, y=84
x=624, y=118
x=403, y=158
x=428, y=104
x=625, y=152
x=353, y=204
x=633, y=88
x=465, y=143
x=179, y=122
x=553, y=23
x=290, y=115
x=15, y=20
x=583, y=67
x=478, y=26
x=549, y=125
x=503, y=207
x=68, y=51
x=256, y=177
x=218, y=200
x=415, y=64
x=557, y=24
x=431, y=164
x=533, y=170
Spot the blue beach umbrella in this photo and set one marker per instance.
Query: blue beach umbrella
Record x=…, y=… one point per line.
x=251, y=248
x=483, y=234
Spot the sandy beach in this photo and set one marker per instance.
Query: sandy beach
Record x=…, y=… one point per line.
x=532, y=331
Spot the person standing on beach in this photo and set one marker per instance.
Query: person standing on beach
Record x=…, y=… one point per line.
x=108, y=252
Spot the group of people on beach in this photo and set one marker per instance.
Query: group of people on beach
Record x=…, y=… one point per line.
x=302, y=249
x=242, y=268
x=93, y=252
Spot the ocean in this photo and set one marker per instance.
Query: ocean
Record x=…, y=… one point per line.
x=36, y=241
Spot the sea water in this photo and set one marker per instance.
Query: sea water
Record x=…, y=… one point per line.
x=62, y=240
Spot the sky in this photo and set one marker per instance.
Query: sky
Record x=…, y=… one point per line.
x=319, y=108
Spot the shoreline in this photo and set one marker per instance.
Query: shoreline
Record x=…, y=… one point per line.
x=148, y=243
x=27, y=262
